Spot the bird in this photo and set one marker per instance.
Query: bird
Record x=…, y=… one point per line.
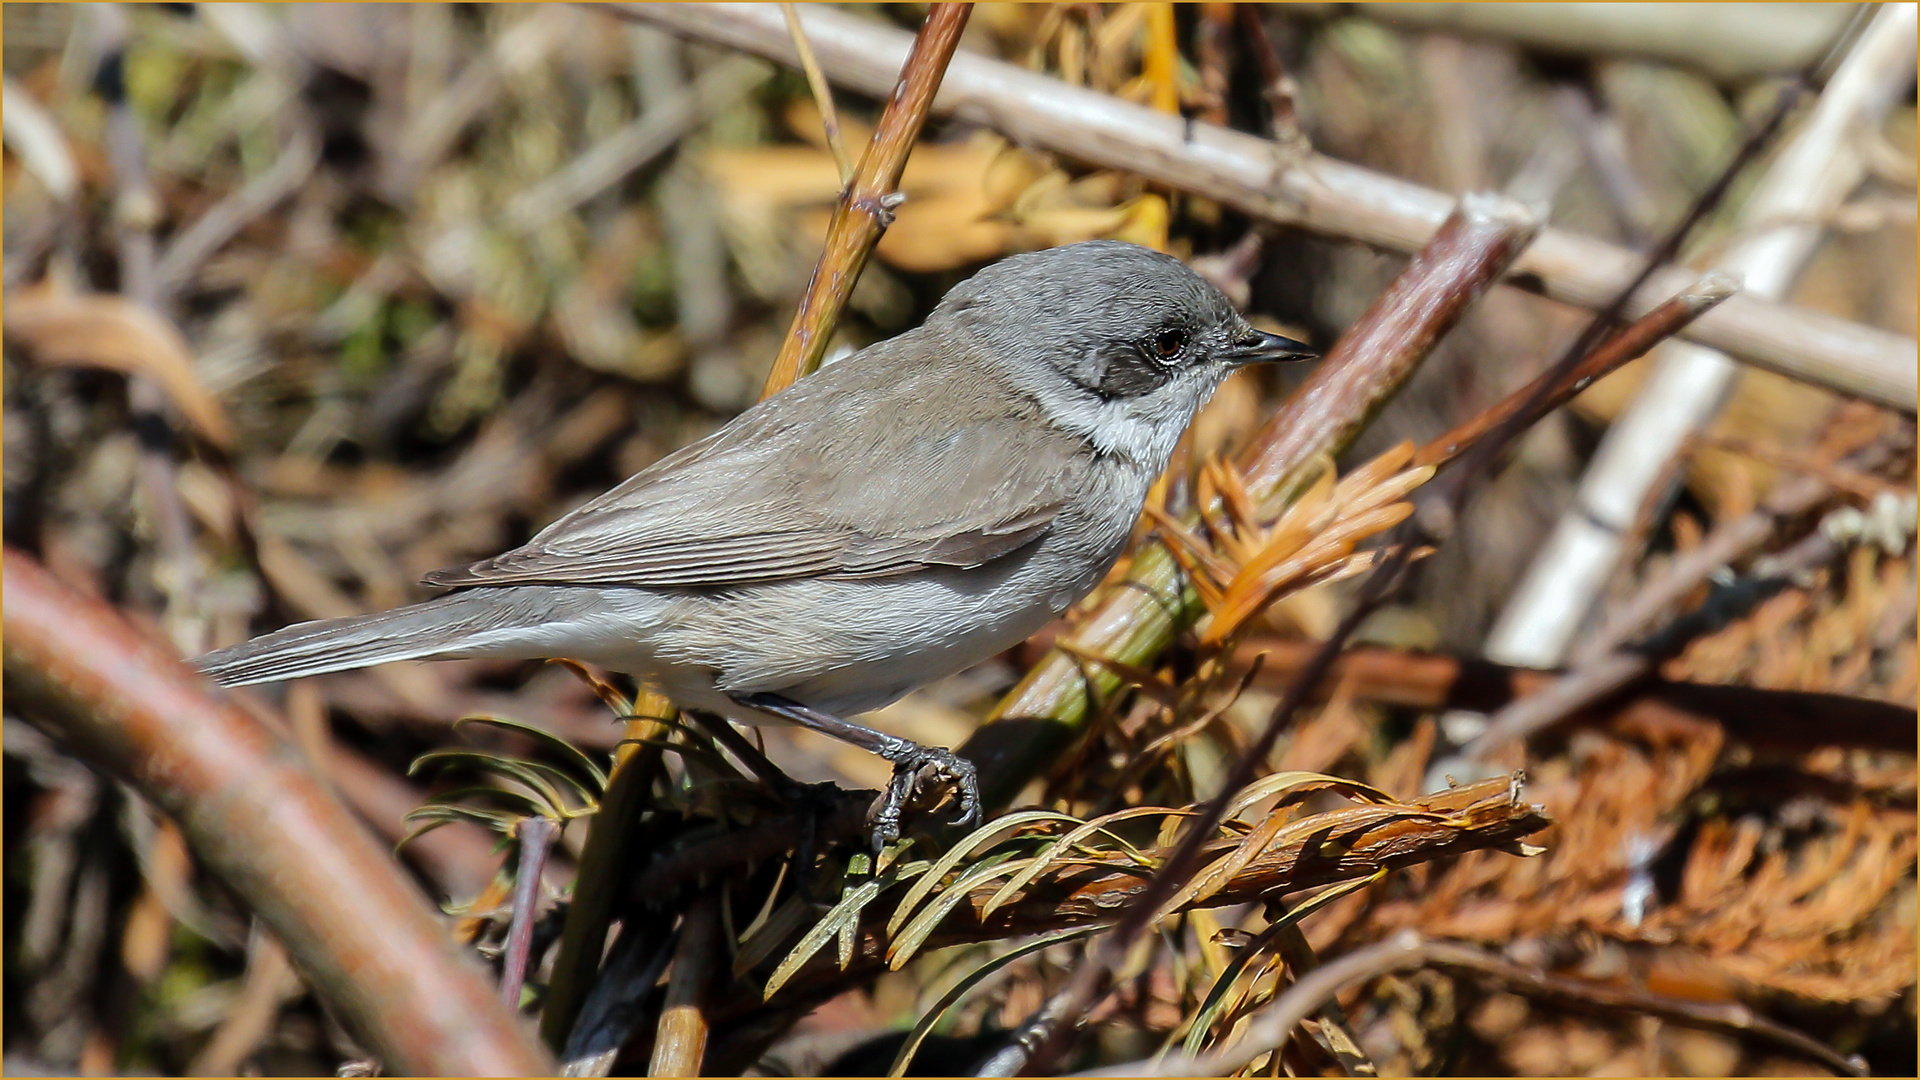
x=898, y=516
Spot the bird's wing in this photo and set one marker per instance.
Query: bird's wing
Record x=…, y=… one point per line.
x=769, y=499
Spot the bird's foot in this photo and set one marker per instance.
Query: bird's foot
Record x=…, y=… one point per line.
x=915, y=768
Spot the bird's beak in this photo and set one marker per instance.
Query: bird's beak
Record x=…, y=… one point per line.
x=1258, y=346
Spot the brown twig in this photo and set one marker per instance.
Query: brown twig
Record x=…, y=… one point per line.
x=1782, y=719
x=1406, y=950
x=254, y=814
x=536, y=835
x=1613, y=671
x=866, y=205
x=1313, y=192
x=1384, y=346
x=1527, y=405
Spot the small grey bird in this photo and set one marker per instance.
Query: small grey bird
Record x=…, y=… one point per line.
x=895, y=518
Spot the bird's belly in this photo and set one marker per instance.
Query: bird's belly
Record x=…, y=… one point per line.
x=847, y=647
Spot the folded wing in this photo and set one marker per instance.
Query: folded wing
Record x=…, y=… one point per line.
x=768, y=499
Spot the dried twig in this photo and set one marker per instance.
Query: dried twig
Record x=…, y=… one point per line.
x=1313, y=192
x=1782, y=719
x=1532, y=402
x=866, y=205
x=357, y=928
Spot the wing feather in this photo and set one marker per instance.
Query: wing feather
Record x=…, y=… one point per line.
x=750, y=504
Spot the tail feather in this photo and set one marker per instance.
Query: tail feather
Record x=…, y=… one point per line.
x=436, y=628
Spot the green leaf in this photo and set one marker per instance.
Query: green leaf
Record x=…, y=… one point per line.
x=520, y=800
x=974, y=978
x=560, y=746
x=961, y=850
x=1052, y=853
x=479, y=760
x=847, y=911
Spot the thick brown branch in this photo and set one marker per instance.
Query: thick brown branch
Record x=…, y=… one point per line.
x=360, y=933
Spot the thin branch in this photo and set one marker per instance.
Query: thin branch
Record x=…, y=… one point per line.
x=1532, y=402
x=822, y=94
x=1313, y=191
x=358, y=930
x=536, y=835
x=1794, y=720
x=866, y=206
x=1613, y=671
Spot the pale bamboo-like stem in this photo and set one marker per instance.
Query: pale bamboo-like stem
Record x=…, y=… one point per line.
x=1306, y=190
x=1807, y=182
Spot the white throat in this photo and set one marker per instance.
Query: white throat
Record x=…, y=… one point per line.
x=1141, y=430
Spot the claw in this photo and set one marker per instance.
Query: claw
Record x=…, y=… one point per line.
x=912, y=764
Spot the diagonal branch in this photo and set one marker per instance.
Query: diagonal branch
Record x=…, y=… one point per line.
x=361, y=934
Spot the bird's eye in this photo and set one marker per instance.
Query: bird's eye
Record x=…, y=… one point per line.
x=1168, y=343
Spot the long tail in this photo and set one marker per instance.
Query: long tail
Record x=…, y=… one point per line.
x=447, y=626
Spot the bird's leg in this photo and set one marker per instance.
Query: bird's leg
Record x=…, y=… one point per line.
x=909, y=758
